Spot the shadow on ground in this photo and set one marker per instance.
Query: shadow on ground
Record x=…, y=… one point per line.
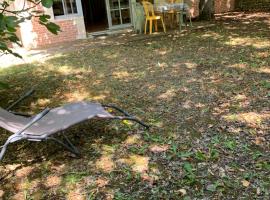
x=204, y=92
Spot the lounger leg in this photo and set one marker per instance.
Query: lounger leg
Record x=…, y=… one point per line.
x=11, y=139
x=67, y=144
x=3, y=150
x=71, y=145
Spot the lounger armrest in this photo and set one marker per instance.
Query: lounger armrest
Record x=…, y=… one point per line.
x=18, y=136
x=126, y=116
x=34, y=120
x=116, y=108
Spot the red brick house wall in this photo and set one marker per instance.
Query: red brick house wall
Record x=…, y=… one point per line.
x=34, y=35
x=44, y=37
x=222, y=6
x=194, y=7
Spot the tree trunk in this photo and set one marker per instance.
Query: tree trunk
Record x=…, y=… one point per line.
x=206, y=9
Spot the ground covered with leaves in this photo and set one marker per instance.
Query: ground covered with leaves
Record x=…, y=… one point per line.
x=205, y=93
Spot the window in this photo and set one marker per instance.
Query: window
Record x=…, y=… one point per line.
x=120, y=12
x=64, y=7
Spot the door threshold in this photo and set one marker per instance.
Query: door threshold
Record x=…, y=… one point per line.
x=98, y=33
x=109, y=32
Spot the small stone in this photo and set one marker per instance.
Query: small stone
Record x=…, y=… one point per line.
x=222, y=172
x=258, y=191
x=183, y=192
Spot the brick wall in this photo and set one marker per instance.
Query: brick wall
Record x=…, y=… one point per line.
x=34, y=35
x=194, y=7
x=248, y=5
x=222, y=6
x=44, y=37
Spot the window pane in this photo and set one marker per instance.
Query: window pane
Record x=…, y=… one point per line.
x=73, y=2
x=58, y=8
x=124, y=3
x=114, y=4
x=70, y=7
x=115, y=17
x=125, y=16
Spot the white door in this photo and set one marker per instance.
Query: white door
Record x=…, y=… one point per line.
x=118, y=12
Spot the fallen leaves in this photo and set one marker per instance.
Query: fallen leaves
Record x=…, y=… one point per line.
x=245, y=183
x=159, y=148
x=208, y=108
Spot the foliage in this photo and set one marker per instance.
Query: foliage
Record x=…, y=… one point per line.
x=10, y=20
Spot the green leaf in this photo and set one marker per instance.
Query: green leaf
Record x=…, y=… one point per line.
x=200, y=155
x=185, y=154
x=214, y=154
x=11, y=29
x=188, y=167
x=2, y=22
x=13, y=38
x=11, y=21
x=230, y=145
x=44, y=18
x=211, y=187
x=52, y=27
x=3, y=46
x=47, y=3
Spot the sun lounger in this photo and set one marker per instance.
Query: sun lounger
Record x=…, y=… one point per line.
x=45, y=125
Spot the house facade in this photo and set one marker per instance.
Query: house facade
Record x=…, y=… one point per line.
x=79, y=17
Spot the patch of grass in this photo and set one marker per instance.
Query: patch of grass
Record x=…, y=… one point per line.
x=230, y=144
x=74, y=177
x=265, y=84
x=204, y=93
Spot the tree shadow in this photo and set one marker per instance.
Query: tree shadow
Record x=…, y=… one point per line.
x=193, y=88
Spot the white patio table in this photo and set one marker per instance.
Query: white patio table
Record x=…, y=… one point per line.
x=172, y=8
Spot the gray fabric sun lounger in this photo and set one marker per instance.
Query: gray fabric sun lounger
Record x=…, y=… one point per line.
x=46, y=124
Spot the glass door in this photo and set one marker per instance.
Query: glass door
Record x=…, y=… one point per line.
x=118, y=13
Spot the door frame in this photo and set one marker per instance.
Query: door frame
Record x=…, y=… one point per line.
x=109, y=17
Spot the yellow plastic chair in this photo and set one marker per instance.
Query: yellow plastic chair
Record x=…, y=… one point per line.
x=150, y=16
x=160, y=1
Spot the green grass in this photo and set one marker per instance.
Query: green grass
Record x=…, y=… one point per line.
x=205, y=94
